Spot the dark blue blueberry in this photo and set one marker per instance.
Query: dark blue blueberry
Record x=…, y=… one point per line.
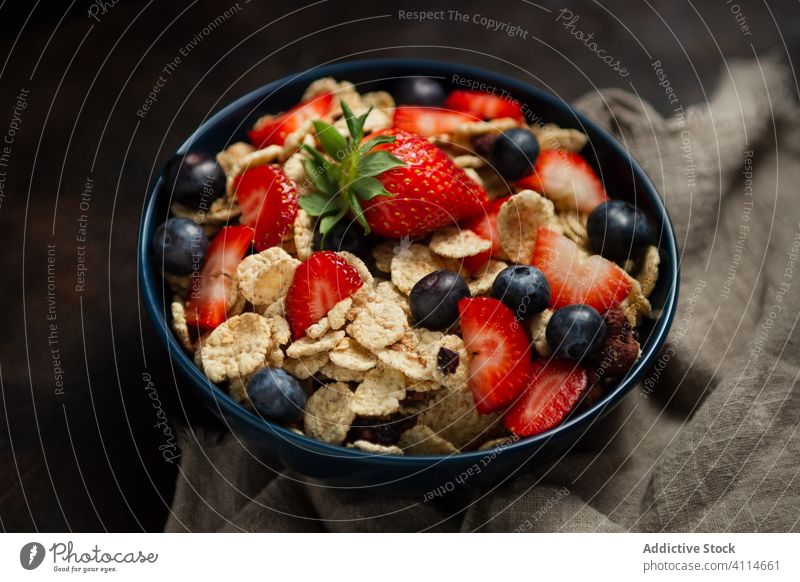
x=194, y=179
x=419, y=91
x=514, y=153
x=524, y=290
x=180, y=246
x=575, y=331
x=344, y=236
x=619, y=230
x=277, y=395
x=434, y=299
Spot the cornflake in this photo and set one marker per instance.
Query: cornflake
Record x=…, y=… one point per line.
x=337, y=316
x=304, y=368
x=383, y=253
x=350, y=355
x=573, y=225
x=414, y=355
x=303, y=230
x=375, y=448
x=456, y=243
x=538, y=326
x=409, y=267
x=648, y=273
x=237, y=347
x=378, y=325
x=380, y=393
x=501, y=442
x=339, y=374
x=386, y=292
x=329, y=413
x=179, y=325
x=379, y=100
x=481, y=282
x=635, y=305
x=553, y=137
x=307, y=346
x=519, y=218
x=453, y=416
x=266, y=277
x=229, y=158
x=422, y=440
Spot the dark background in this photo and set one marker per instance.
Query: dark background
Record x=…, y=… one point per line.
x=89, y=459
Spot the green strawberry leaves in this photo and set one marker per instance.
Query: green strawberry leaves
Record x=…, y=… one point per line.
x=346, y=177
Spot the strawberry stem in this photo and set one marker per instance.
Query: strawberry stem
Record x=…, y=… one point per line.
x=344, y=173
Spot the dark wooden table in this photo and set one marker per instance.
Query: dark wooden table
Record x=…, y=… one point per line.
x=80, y=434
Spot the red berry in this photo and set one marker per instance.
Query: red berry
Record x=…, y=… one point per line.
x=575, y=277
x=555, y=388
x=429, y=192
x=275, y=130
x=566, y=178
x=483, y=105
x=485, y=226
x=500, y=366
x=319, y=283
x=208, y=303
x=268, y=199
x=429, y=121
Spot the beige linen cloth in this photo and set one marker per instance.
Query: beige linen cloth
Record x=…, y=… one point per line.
x=708, y=442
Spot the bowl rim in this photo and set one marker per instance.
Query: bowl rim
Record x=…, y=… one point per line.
x=152, y=298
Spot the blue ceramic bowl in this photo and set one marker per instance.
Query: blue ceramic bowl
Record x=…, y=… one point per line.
x=341, y=467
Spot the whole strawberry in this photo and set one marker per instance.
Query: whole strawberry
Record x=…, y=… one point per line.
x=395, y=183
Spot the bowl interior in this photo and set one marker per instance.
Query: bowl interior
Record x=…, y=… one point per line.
x=621, y=174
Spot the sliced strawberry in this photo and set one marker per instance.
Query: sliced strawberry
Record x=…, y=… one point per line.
x=567, y=179
x=483, y=105
x=556, y=387
x=501, y=359
x=268, y=199
x=575, y=277
x=485, y=226
x=428, y=121
x=208, y=303
x=275, y=130
x=319, y=283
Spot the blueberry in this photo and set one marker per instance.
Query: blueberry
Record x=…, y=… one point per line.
x=619, y=230
x=419, y=91
x=195, y=179
x=180, y=246
x=575, y=331
x=434, y=299
x=344, y=236
x=514, y=153
x=524, y=290
x=277, y=395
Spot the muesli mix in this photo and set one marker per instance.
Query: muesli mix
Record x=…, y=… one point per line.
x=416, y=273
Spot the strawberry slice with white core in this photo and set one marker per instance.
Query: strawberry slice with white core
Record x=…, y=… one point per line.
x=429, y=121
x=501, y=359
x=566, y=179
x=275, y=130
x=576, y=277
x=209, y=299
x=268, y=199
x=556, y=387
x=319, y=283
